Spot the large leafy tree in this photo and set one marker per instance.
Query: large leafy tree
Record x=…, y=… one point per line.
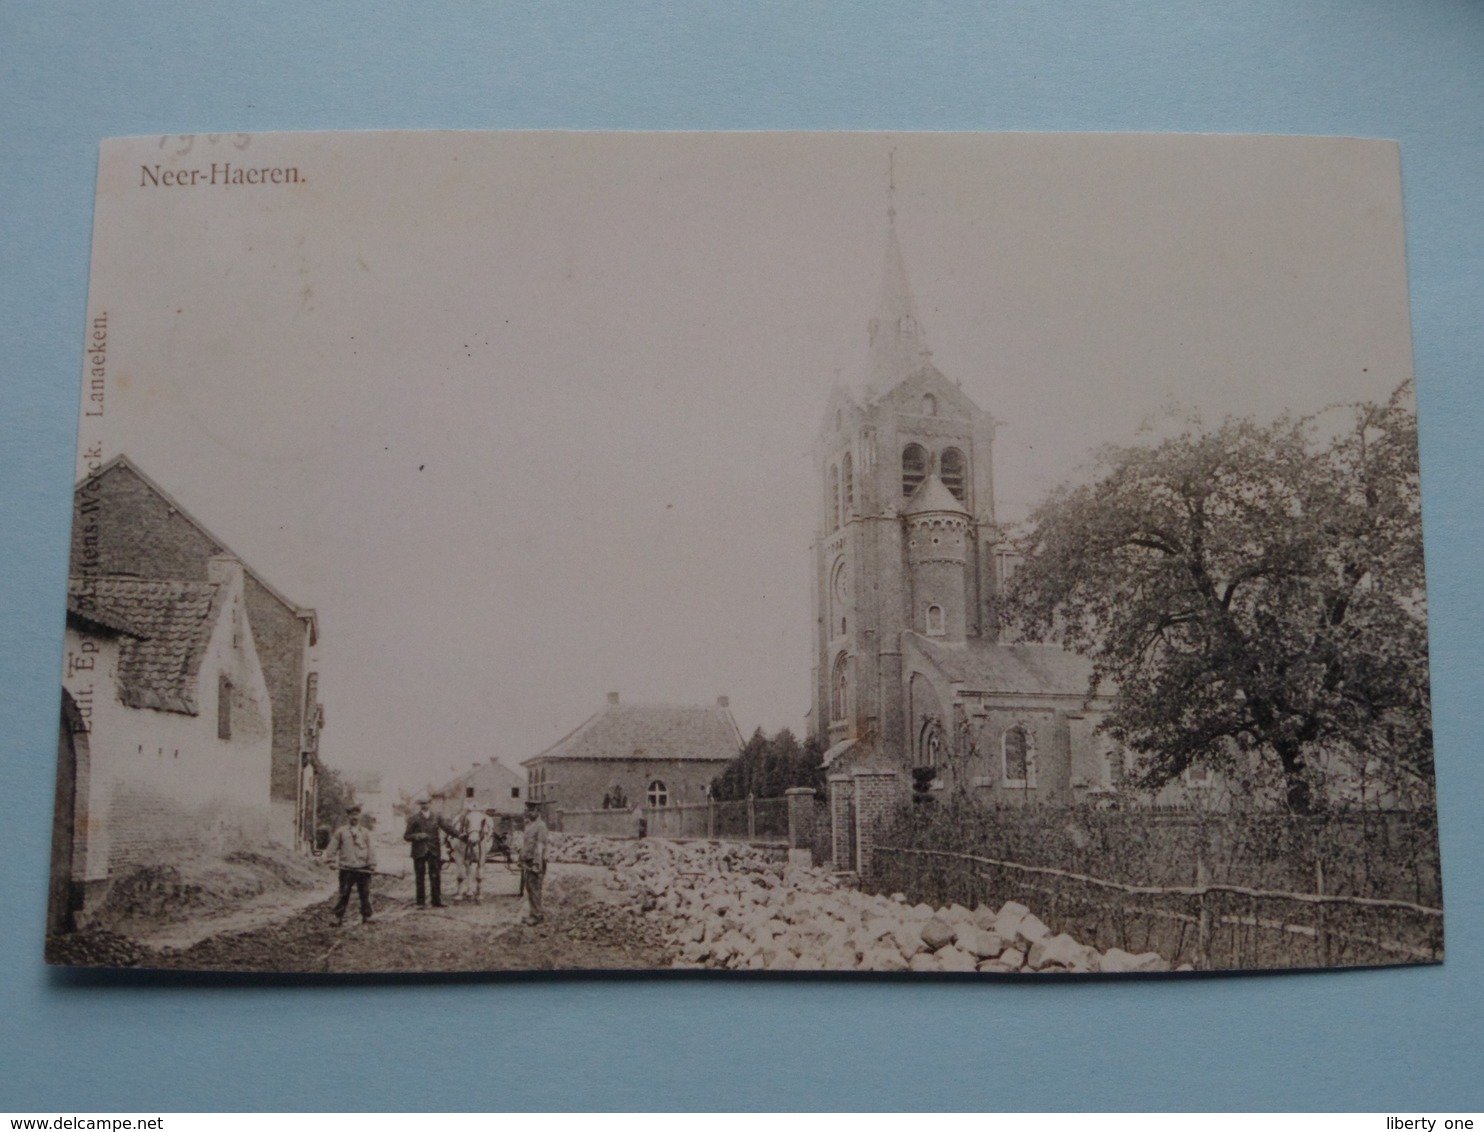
x=1248, y=590
x=767, y=767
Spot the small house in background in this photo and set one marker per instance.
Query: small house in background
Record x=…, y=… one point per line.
x=167, y=744
x=645, y=754
x=489, y=785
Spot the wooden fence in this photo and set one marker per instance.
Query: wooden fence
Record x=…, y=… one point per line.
x=1208, y=925
x=761, y=821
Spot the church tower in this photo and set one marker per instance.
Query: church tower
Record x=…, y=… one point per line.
x=905, y=537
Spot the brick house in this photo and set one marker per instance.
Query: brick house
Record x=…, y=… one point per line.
x=126, y=524
x=168, y=727
x=655, y=754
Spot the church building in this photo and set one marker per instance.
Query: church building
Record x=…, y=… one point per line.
x=909, y=671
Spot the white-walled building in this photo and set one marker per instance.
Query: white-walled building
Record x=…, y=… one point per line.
x=171, y=719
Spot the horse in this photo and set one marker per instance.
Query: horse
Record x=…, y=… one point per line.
x=466, y=853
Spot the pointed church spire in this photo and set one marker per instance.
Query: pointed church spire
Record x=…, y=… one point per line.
x=898, y=347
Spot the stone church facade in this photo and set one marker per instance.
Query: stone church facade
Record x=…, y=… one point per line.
x=909, y=670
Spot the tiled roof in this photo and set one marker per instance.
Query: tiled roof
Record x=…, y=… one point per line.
x=169, y=625
x=495, y=787
x=492, y=775
x=982, y=666
x=121, y=464
x=651, y=731
x=84, y=608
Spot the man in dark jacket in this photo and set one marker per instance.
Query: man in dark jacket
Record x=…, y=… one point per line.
x=427, y=851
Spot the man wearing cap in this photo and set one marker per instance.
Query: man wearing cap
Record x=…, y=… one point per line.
x=427, y=853
x=351, y=849
x=533, y=860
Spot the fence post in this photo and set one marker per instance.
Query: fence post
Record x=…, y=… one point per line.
x=1203, y=915
x=842, y=822
x=875, y=794
x=1321, y=914
x=751, y=818
x=800, y=822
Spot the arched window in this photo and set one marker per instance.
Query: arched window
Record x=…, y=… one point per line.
x=839, y=594
x=914, y=468
x=839, y=689
x=932, y=744
x=929, y=405
x=847, y=483
x=657, y=795
x=834, y=500
x=935, y=621
x=1019, y=754
x=952, y=472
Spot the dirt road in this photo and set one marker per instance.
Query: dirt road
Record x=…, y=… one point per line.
x=590, y=924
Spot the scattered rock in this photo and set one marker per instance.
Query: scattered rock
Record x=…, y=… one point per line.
x=1116, y=961
x=979, y=943
x=952, y=959
x=1059, y=951
x=1030, y=931
x=936, y=933
x=722, y=904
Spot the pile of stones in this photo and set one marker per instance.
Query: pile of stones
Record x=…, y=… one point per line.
x=725, y=905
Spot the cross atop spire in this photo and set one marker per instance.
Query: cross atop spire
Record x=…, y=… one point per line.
x=898, y=347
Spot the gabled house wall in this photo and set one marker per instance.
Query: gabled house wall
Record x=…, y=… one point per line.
x=124, y=523
x=162, y=783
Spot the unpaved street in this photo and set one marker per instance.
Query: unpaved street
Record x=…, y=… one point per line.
x=589, y=924
x=610, y=905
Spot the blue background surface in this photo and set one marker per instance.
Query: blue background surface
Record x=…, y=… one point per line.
x=71, y=74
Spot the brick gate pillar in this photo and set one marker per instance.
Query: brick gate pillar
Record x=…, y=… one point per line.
x=875, y=795
x=842, y=822
x=800, y=824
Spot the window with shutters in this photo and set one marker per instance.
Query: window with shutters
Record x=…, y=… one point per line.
x=1019, y=757
x=223, y=706
x=914, y=468
x=834, y=498
x=952, y=471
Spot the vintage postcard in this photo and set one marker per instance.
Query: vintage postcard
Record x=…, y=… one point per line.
x=780, y=552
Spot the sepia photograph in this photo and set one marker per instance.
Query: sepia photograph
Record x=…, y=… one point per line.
x=988, y=554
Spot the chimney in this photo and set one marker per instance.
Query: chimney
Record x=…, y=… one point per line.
x=225, y=571
x=613, y=697
x=723, y=702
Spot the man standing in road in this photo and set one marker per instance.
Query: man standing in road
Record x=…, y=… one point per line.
x=427, y=852
x=533, y=860
x=351, y=849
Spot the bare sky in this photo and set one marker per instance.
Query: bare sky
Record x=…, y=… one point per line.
x=526, y=417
